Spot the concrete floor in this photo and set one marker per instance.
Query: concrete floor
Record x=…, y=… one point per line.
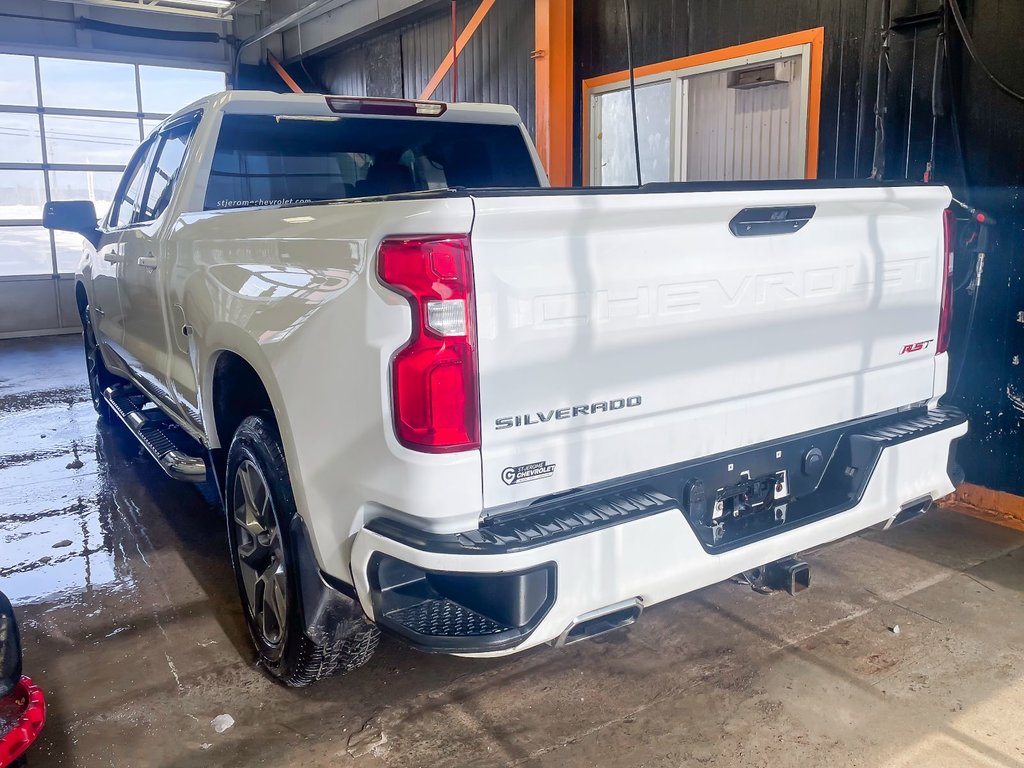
x=131, y=624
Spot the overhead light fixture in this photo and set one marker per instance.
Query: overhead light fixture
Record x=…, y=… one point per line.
x=220, y=10
x=220, y=5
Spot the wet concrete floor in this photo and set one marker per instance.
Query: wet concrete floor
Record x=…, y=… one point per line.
x=131, y=624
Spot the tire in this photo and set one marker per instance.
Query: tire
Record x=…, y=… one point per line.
x=260, y=505
x=96, y=371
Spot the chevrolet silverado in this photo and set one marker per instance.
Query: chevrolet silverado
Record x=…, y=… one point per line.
x=446, y=401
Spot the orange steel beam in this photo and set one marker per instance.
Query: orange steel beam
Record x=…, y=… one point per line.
x=553, y=98
x=272, y=60
x=464, y=38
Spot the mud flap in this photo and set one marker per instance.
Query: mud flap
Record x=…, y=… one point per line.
x=327, y=611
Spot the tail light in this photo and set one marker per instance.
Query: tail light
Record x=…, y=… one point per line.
x=946, y=312
x=434, y=376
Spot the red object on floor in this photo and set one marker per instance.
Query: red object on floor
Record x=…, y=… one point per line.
x=28, y=725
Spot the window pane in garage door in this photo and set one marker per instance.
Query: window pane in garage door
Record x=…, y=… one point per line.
x=25, y=251
x=69, y=251
x=88, y=84
x=22, y=195
x=18, y=81
x=98, y=186
x=19, y=139
x=165, y=89
x=90, y=140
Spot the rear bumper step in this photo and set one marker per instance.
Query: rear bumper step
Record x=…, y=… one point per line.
x=164, y=440
x=809, y=477
x=578, y=566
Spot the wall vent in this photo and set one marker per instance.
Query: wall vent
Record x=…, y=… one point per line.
x=759, y=76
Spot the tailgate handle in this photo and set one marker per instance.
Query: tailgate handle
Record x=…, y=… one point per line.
x=755, y=222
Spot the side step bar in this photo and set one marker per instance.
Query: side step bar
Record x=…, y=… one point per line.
x=164, y=440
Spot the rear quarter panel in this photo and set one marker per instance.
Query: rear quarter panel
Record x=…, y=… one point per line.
x=292, y=291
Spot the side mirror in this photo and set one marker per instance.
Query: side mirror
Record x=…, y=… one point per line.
x=73, y=216
x=10, y=648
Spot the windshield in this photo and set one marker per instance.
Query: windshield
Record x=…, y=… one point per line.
x=283, y=160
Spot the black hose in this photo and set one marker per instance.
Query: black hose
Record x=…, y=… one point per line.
x=632, y=92
x=969, y=45
x=954, y=112
x=937, y=108
x=878, y=157
x=967, y=337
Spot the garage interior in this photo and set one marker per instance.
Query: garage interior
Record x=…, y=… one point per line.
x=909, y=647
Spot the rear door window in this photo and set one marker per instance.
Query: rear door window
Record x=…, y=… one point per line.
x=262, y=160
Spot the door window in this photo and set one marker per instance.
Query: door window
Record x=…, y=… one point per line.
x=129, y=193
x=169, y=159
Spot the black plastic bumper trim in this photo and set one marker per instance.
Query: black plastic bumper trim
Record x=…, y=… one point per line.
x=639, y=496
x=459, y=612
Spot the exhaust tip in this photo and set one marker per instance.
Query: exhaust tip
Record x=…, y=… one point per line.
x=601, y=621
x=912, y=511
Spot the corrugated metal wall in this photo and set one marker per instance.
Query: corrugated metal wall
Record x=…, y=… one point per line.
x=496, y=66
x=745, y=134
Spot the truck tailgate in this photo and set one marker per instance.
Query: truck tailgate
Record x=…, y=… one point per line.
x=621, y=332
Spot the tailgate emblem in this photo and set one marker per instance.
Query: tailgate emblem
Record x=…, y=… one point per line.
x=915, y=347
x=524, y=473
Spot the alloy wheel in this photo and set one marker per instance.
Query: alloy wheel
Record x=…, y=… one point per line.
x=261, y=560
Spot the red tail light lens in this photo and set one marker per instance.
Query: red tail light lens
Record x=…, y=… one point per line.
x=946, y=313
x=434, y=376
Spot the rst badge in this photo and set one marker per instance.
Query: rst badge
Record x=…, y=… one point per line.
x=524, y=473
x=917, y=346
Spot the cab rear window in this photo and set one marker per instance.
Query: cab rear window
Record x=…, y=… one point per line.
x=262, y=160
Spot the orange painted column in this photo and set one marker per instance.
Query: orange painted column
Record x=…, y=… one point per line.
x=553, y=99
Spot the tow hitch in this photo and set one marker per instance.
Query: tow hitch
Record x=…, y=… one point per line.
x=790, y=574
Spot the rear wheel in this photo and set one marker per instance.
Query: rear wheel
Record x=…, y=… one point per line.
x=99, y=377
x=260, y=506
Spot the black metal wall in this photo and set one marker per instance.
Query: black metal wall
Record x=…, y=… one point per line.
x=496, y=65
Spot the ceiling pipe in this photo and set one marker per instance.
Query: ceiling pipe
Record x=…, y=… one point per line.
x=285, y=23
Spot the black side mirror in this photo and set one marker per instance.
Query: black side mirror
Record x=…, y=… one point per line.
x=73, y=216
x=10, y=648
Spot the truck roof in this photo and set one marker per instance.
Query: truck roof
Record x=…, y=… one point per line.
x=270, y=103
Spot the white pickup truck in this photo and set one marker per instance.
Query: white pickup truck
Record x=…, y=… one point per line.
x=443, y=400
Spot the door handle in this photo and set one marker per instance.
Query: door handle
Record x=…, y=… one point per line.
x=149, y=262
x=754, y=222
x=112, y=257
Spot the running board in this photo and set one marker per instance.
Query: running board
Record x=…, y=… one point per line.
x=164, y=440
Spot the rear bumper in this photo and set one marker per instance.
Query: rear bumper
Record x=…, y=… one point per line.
x=551, y=571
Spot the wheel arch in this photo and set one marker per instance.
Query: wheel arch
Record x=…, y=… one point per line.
x=234, y=388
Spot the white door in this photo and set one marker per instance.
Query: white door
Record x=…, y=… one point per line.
x=108, y=268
